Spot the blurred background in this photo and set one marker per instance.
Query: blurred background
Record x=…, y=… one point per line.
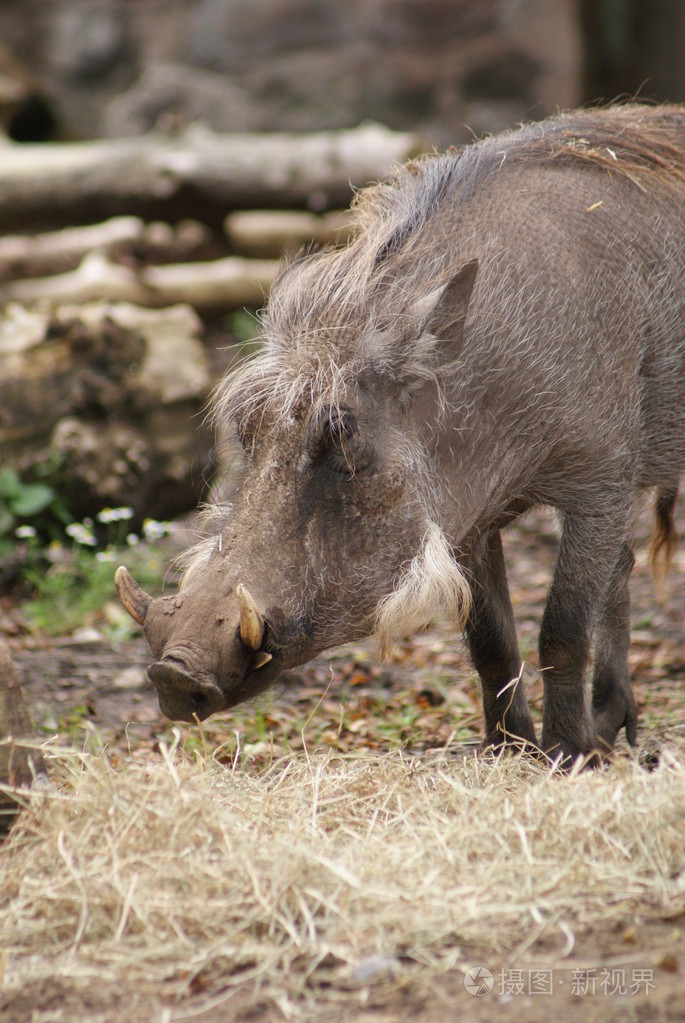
x=159, y=158
x=74, y=69
x=138, y=234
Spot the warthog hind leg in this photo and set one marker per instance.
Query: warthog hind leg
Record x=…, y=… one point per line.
x=613, y=704
x=591, y=548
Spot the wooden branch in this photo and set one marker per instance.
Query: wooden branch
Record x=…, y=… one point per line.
x=124, y=238
x=56, y=251
x=222, y=284
x=271, y=233
x=198, y=174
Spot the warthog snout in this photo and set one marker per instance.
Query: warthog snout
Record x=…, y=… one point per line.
x=182, y=696
x=206, y=661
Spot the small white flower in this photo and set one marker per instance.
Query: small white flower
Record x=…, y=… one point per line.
x=25, y=532
x=55, y=552
x=154, y=530
x=109, y=554
x=81, y=533
x=132, y=539
x=115, y=514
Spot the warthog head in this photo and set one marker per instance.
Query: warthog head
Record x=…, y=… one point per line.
x=332, y=535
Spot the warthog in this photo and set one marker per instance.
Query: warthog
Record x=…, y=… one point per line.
x=507, y=329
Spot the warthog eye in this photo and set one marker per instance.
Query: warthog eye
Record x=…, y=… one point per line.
x=247, y=429
x=338, y=426
x=336, y=443
x=335, y=440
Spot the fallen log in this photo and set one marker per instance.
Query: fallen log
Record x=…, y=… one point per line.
x=129, y=238
x=272, y=233
x=27, y=255
x=20, y=760
x=220, y=285
x=197, y=174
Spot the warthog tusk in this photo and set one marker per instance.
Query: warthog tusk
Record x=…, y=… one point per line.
x=259, y=659
x=135, y=600
x=251, y=621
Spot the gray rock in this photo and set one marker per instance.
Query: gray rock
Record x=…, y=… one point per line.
x=174, y=94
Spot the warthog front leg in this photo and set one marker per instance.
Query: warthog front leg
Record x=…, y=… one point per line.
x=613, y=704
x=589, y=556
x=491, y=637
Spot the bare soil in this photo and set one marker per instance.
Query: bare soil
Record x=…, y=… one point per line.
x=422, y=699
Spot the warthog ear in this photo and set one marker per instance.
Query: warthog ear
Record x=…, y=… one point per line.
x=443, y=311
x=431, y=335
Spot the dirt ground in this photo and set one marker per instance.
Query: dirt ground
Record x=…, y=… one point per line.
x=83, y=677
x=567, y=990
x=634, y=971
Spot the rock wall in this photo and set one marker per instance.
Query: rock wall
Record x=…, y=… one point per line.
x=112, y=67
x=81, y=68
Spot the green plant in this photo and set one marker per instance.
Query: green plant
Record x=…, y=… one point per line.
x=72, y=584
x=21, y=501
x=72, y=591
x=244, y=326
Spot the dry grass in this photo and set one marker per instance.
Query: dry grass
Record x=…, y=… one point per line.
x=292, y=883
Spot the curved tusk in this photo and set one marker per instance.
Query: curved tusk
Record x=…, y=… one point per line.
x=135, y=600
x=259, y=659
x=251, y=622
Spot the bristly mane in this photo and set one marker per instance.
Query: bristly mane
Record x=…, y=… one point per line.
x=323, y=306
x=645, y=144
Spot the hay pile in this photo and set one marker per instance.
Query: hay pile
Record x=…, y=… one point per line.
x=292, y=883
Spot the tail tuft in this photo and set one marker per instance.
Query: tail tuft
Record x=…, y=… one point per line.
x=665, y=539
